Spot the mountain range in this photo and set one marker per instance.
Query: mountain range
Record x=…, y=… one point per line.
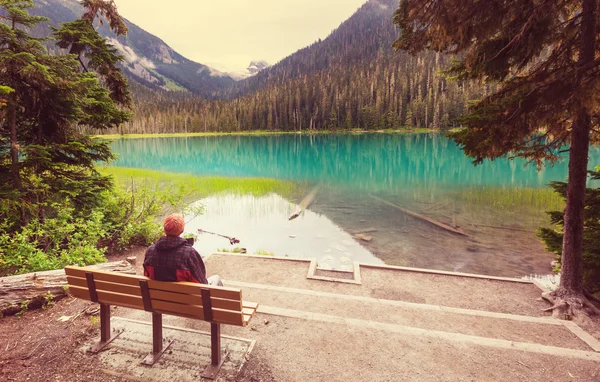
x=148, y=59
x=351, y=79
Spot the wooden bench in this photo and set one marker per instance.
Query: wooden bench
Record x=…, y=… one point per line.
x=217, y=305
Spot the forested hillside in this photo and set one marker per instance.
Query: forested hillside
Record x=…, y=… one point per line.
x=147, y=59
x=352, y=79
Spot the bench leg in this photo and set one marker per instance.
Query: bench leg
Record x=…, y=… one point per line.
x=212, y=370
x=157, y=341
x=105, y=337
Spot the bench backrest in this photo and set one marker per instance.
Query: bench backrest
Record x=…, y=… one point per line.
x=205, y=302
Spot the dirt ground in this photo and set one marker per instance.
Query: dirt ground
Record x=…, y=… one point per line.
x=386, y=329
x=36, y=346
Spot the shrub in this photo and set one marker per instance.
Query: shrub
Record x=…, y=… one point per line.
x=68, y=235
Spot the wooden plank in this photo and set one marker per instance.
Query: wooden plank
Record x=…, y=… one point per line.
x=248, y=311
x=193, y=299
x=109, y=287
x=195, y=311
x=194, y=288
x=251, y=305
x=119, y=299
x=247, y=319
x=465, y=339
x=119, y=278
x=170, y=307
x=227, y=317
x=189, y=299
x=113, y=277
x=403, y=304
x=79, y=292
x=220, y=303
x=118, y=288
x=583, y=335
x=77, y=281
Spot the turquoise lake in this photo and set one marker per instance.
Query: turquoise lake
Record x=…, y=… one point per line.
x=425, y=173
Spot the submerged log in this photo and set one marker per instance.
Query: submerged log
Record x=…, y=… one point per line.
x=366, y=230
x=421, y=217
x=305, y=203
x=35, y=290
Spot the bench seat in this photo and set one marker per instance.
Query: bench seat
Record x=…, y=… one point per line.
x=217, y=305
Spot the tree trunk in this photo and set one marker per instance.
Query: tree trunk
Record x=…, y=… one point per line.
x=14, y=146
x=571, y=282
x=34, y=290
x=572, y=260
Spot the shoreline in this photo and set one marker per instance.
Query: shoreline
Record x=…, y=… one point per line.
x=264, y=132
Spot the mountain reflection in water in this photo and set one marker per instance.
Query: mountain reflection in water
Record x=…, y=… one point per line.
x=261, y=224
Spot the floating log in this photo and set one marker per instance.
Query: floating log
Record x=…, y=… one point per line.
x=305, y=203
x=424, y=218
x=35, y=290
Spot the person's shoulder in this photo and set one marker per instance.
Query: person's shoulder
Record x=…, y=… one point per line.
x=190, y=251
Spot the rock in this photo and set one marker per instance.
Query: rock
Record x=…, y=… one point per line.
x=131, y=260
x=362, y=237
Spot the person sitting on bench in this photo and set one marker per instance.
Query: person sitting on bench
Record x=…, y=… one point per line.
x=172, y=258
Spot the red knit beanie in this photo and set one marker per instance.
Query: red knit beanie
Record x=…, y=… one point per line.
x=174, y=225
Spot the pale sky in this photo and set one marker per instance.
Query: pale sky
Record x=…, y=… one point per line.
x=228, y=34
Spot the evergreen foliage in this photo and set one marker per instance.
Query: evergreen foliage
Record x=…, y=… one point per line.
x=45, y=158
x=543, y=54
x=553, y=238
x=55, y=207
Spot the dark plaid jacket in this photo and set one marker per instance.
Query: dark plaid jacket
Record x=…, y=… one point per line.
x=172, y=258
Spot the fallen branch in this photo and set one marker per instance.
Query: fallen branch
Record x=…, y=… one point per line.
x=35, y=290
x=34, y=350
x=421, y=217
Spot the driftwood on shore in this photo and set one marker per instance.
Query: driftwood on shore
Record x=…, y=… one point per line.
x=35, y=290
x=421, y=217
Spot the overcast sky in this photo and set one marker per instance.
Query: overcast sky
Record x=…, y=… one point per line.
x=228, y=34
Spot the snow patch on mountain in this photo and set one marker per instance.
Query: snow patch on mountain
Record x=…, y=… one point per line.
x=253, y=68
x=130, y=55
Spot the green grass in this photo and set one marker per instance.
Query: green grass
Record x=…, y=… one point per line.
x=201, y=186
x=262, y=252
x=513, y=198
x=260, y=132
x=230, y=250
x=171, y=85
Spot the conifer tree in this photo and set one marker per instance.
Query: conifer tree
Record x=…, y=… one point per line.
x=544, y=56
x=42, y=151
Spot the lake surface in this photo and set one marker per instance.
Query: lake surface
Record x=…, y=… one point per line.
x=497, y=204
